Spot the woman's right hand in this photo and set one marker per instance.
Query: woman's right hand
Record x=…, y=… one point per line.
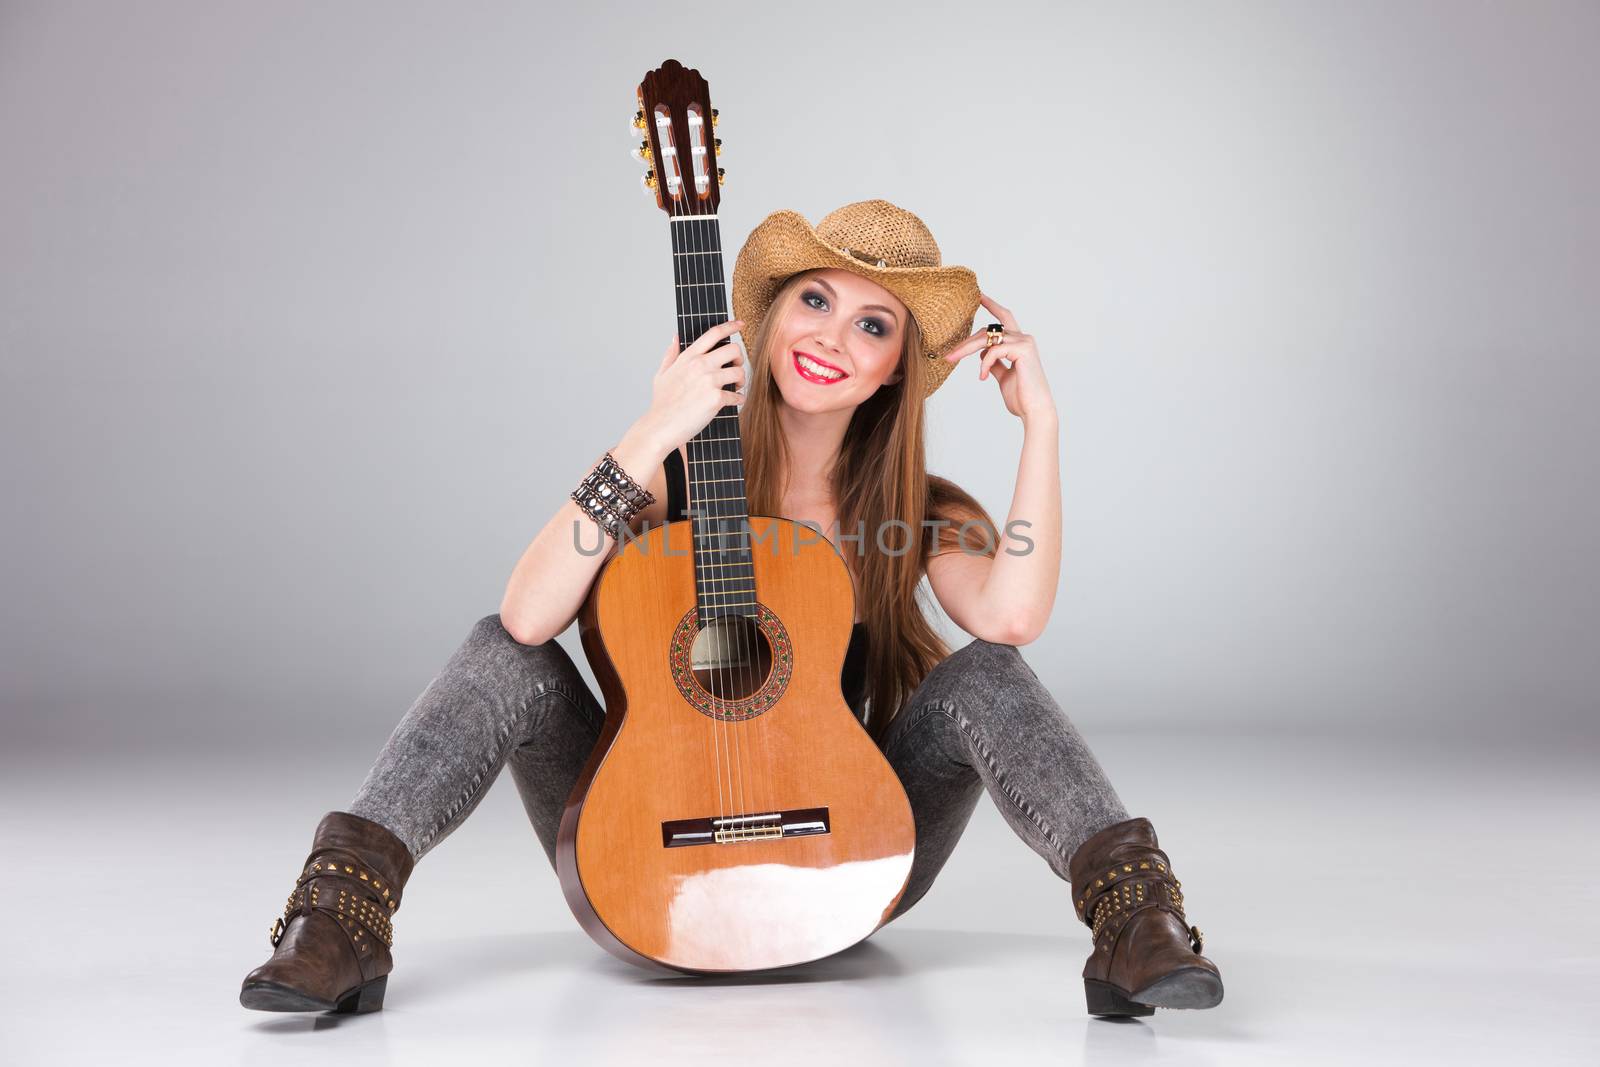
x=688, y=387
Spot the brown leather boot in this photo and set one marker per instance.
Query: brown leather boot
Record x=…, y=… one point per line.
x=1146, y=955
x=331, y=948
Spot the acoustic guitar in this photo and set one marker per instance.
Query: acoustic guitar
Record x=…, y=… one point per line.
x=735, y=815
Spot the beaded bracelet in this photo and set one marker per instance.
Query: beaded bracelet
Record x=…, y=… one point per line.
x=610, y=496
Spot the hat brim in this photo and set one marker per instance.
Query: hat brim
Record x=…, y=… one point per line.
x=943, y=299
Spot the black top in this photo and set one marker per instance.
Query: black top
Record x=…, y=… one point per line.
x=853, y=679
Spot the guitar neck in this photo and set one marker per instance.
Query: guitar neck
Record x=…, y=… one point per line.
x=714, y=457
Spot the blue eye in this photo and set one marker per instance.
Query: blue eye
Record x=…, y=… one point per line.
x=872, y=325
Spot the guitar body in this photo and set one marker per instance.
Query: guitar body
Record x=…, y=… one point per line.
x=821, y=839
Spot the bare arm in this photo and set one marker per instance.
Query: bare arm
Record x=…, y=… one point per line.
x=1008, y=598
x=549, y=583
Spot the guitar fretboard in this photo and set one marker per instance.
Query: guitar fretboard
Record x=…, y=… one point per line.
x=724, y=576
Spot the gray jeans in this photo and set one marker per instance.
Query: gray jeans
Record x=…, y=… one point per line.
x=980, y=720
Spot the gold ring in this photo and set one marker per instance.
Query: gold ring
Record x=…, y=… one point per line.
x=996, y=334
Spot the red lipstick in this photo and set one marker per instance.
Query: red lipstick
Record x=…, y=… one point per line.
x=812, y=376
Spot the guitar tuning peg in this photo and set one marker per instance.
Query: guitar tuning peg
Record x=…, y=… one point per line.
x=638, y=120
x=713, y=116
x=722, y=177
x=641, y=152
x=648, y=180
x=717, y=144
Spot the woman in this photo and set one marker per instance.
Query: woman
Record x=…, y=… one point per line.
x=853, y=324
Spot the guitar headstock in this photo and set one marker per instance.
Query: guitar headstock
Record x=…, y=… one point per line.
x=678, y=124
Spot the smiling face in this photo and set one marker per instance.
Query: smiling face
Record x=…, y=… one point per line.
x=838, y=342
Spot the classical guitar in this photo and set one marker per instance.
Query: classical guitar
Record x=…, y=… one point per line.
x=735, y=815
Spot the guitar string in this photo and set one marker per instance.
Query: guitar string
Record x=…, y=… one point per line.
x=728, y=630
x=701, y=559
x=709, y=555
x=760, y=723
x=732, y=545
x=695, y=450
x=708, y=551
x=753, y=727
x=729, y=543
x=733, y=454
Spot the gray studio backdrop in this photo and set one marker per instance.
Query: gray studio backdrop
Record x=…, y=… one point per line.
x=312, y=313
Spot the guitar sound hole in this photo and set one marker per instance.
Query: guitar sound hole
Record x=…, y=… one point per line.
x=731, y=658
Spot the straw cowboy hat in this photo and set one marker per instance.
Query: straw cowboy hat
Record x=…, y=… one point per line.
x=877, y=240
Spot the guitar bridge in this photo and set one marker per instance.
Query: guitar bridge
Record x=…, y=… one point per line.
x=732, y=829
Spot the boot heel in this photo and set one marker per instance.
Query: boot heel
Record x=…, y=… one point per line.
x=1104, y=1000
x=368, y=997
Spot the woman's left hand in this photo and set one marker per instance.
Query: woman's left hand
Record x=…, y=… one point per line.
x=1021, y=379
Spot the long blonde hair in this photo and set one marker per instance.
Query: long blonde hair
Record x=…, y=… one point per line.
x=879, y=476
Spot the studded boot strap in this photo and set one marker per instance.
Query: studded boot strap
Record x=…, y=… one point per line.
x=353, y=895
x=1127, y=888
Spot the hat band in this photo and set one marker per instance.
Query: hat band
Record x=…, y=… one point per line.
x=865, y=257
